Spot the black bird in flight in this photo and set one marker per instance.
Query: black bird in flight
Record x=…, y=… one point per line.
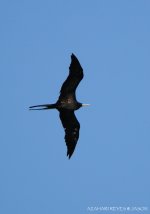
x=67, y=104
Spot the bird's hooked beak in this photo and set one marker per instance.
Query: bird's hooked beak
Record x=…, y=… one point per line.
x=85, y=105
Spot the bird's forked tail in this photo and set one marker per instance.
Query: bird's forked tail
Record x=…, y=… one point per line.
x=43, y=107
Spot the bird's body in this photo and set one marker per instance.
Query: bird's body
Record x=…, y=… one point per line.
x=67, y=104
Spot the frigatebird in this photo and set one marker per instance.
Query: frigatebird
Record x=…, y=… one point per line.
x=67, y=104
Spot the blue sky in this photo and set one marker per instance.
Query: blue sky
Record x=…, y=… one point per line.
x=110, y=166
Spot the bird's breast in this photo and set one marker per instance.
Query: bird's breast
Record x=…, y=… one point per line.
x=68, y=104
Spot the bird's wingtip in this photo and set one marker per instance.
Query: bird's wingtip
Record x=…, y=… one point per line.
x=69, y=155
x=73, y=56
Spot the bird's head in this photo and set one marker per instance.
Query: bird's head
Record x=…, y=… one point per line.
x=81, y=105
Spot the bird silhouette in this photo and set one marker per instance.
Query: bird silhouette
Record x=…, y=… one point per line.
x=67, y=104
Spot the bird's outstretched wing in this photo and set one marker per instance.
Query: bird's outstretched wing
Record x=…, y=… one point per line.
x=71, y=126
x=74, y=77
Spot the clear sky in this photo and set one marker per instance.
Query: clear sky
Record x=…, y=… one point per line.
x=111, y=163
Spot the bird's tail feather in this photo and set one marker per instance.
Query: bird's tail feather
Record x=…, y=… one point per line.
x=43, y=107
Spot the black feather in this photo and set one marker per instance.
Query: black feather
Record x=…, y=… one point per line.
x=67, y=104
